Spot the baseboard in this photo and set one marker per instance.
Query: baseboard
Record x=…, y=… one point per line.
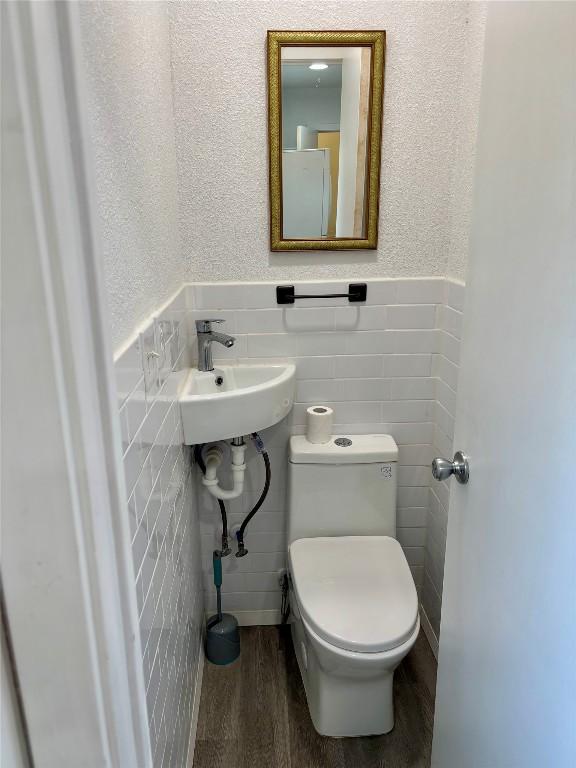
x=429, y=632
x=195, y=708
x=255, y=618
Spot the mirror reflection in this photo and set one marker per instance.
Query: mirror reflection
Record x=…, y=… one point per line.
x=325, y=97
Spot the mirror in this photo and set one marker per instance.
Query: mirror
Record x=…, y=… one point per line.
x=325, y=94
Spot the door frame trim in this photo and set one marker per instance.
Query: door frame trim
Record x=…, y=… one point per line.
x=46, y=46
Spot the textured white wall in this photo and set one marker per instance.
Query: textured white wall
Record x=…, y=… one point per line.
x=127, y=58
x=434, y=53
x=193, y=159
x=461, y=186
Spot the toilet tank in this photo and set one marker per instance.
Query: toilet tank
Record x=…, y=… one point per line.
x=346, y=487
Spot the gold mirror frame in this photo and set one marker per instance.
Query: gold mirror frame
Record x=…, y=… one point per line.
x=376, y=40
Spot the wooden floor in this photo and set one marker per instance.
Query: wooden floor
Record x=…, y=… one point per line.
x=253, y=714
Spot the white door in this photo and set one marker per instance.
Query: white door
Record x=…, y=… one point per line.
x=14, y=749
x=506, y=694
x=67, y=597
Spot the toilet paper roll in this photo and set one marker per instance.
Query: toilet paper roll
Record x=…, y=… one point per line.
x=319, y=424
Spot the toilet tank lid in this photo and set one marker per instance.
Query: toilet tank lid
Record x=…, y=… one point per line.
x=344, y=449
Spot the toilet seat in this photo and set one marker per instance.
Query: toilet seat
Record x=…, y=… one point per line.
x=356, y=592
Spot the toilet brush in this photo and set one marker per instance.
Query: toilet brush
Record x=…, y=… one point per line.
x=222, y=634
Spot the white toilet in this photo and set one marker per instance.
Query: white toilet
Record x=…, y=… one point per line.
x=353, y=600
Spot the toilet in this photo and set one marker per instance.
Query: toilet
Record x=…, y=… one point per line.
x=354, y=607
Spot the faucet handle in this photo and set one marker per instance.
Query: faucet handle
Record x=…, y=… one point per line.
x=204, y=326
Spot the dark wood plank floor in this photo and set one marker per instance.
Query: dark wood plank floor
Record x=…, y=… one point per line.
x=254, y=713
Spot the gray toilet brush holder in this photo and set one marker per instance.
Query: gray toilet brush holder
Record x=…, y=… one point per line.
x=222, y=633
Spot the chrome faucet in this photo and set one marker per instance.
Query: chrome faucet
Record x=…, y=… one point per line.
x=205, y=338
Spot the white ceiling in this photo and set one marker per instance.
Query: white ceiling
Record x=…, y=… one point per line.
x=296, y=74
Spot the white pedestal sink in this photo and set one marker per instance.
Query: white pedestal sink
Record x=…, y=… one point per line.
x=234, y=400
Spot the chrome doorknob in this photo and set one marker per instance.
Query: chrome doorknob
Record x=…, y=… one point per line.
x=443, y=468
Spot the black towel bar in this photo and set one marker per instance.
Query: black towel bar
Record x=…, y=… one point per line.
x=356, y=292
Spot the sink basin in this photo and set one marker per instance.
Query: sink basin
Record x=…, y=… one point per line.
x=234, y=400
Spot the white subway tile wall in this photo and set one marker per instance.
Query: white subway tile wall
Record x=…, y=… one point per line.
x=445, y=372
x=373, y=364
x=389, y=366
x=164, y=525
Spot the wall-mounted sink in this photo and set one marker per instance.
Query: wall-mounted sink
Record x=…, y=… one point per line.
x=234, y=400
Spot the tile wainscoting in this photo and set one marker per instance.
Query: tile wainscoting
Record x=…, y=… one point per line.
x=389, y=366
x=162, y=509
x=445, y=369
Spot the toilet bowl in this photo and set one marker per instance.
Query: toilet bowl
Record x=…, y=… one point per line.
x=351, y=627
x=354, y=606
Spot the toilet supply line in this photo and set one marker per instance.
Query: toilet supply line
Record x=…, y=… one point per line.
x=259, y=445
